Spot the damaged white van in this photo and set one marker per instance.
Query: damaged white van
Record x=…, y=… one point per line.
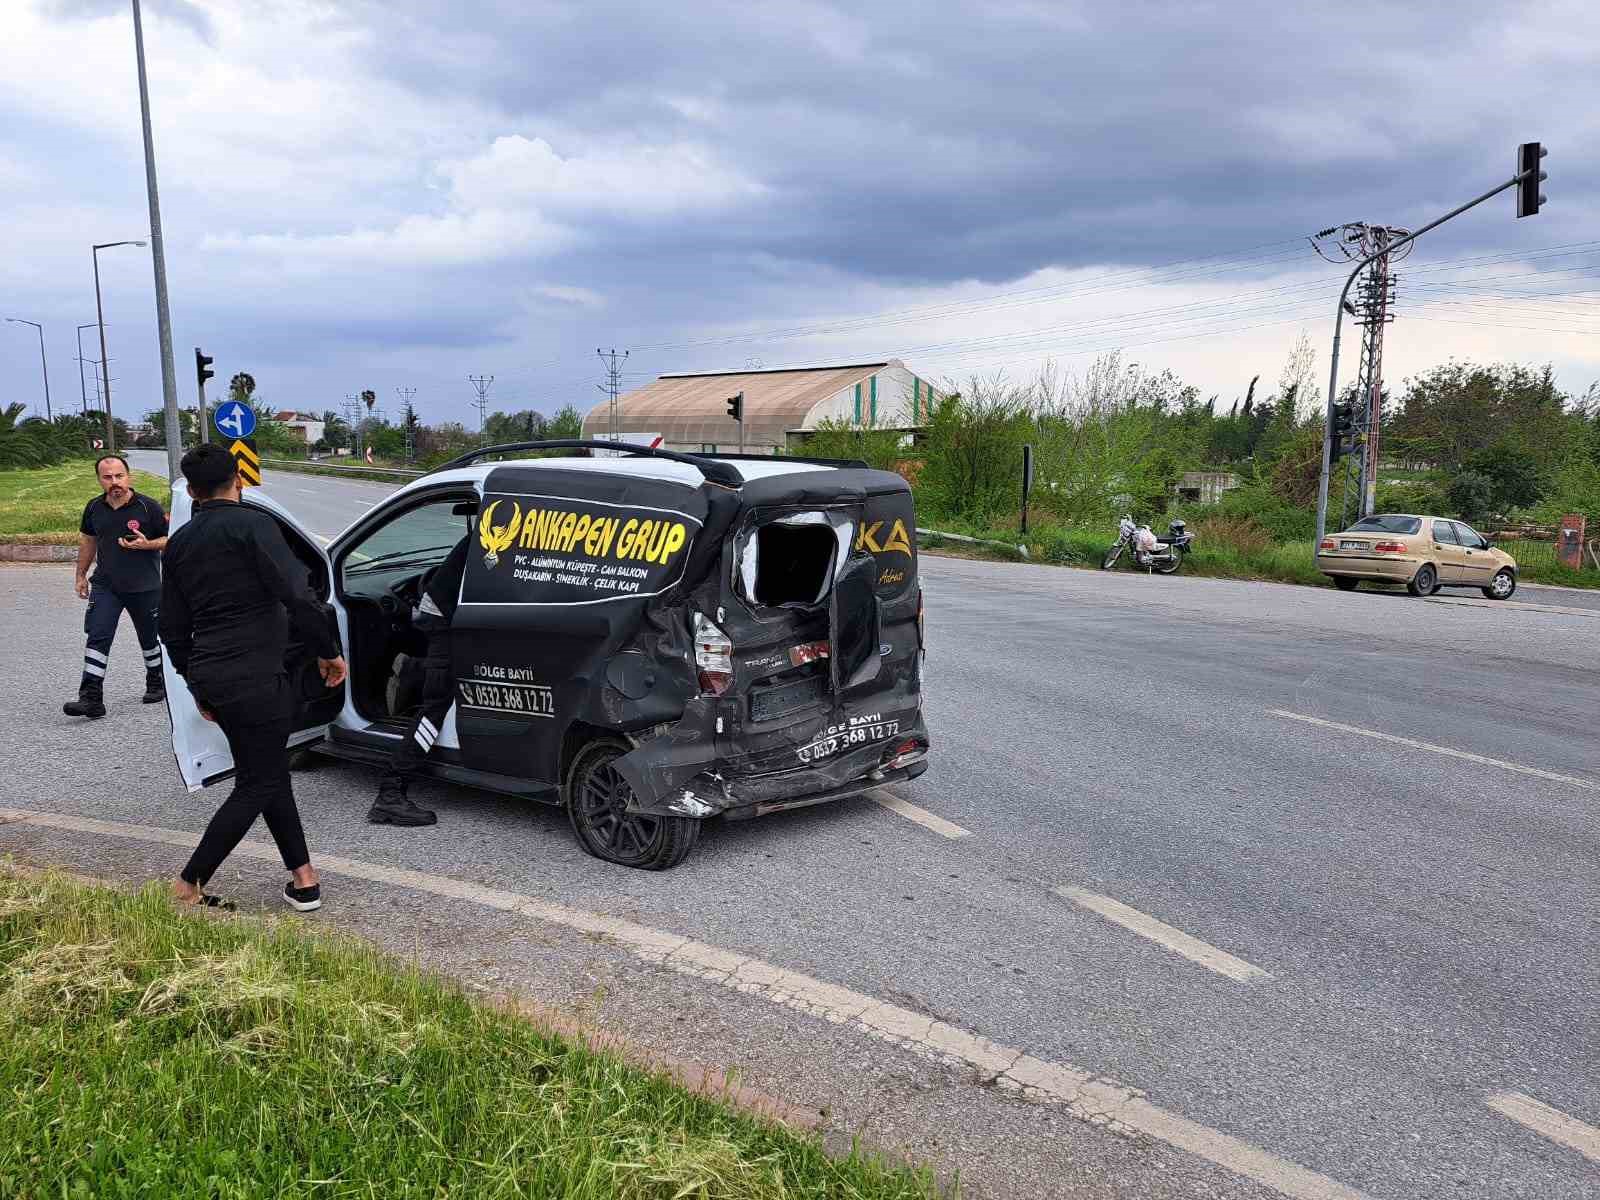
x=650, y=639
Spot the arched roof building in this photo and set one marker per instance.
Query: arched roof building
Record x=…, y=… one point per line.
x=690, y=412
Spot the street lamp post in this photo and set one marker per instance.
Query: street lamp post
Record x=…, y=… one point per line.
x=100, y=319
x=158, y=260
x=83, y=388
x=48, y=416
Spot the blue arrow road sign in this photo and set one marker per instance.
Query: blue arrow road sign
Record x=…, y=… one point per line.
x=235, y=419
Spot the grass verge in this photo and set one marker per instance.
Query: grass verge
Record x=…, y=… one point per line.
x=145, y=1052
x=336, y=471
x=44, y=506
x=1222, y=550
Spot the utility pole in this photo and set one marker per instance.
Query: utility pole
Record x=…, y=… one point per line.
x=481, y=384
x=1375, y=297
x=409, y=419
x=1526, y=181
x=169, y=377
x=352, y=417
x=613, y=384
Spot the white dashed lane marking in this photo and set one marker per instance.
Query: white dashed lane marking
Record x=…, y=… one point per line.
x=1179, y=942
x=1548, y=1122
x=1393, y=739
x=921, y=816
x=1088, y=1097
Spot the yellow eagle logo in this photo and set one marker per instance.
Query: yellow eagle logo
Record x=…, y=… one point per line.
x=495, y=539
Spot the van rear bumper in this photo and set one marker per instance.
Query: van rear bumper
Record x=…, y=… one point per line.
x=712, y=788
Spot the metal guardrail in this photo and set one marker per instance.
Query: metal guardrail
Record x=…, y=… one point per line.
x=305, y=463
x=961, y=537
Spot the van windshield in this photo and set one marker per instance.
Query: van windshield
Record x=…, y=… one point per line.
x=1387, y=523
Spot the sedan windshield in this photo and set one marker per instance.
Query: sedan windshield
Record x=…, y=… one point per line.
x=1384, y=523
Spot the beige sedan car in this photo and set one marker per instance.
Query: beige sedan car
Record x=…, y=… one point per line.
x=1424, y=553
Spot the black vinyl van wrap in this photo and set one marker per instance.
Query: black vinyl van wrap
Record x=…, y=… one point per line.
x=578, y=613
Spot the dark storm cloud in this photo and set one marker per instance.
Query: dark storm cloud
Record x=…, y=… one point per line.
x=924, y=143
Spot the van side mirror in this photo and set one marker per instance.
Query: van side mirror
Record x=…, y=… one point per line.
x=856, y=624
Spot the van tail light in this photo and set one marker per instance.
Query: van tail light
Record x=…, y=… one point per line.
x=903, y=755
x=1390, y=548
x=713, y=657
x=1326, y=544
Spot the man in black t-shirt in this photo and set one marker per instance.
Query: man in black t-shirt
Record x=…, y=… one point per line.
x=121, y=535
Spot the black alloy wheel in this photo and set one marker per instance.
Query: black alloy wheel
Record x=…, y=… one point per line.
x=597, y=799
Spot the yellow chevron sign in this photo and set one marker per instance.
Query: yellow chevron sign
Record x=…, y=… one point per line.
x=244, y=453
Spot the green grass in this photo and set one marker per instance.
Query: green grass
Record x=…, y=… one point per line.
x=147, y=1052
x=1280, y=562
x=45, y=505
x=357, y=469
x=1080, y=546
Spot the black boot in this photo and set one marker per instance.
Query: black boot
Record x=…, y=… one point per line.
x=393, y=808
x=155, y=687
x=90, y=702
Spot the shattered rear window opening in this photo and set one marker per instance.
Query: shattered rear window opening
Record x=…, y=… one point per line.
x=790, y=562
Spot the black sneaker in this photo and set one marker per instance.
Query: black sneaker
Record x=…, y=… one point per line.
x=155, y=688
x=303, y=899
x=85, y=706
x=400, y=812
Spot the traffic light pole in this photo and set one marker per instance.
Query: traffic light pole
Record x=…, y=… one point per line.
x=203, y=372
x=1338, y=327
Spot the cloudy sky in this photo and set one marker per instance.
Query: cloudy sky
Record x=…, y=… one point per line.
x=404, y=193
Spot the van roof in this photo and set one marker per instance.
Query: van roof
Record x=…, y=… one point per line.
x=631, y=466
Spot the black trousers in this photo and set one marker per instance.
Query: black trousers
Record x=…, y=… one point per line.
x=257, y=723
x=100, y=629
x=438, y=693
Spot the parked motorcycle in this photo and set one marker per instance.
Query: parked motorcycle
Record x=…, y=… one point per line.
x=1147, y=550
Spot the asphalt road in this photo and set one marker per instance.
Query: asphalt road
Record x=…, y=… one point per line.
x=1314, y=872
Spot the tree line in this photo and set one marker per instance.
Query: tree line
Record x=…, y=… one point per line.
x=1483, y=442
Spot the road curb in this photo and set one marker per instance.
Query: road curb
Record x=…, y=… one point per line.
x=17, y=552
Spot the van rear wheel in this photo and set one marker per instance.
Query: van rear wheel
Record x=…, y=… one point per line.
x=596, y=800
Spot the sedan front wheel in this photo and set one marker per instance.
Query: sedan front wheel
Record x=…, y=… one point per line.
x=1501, y=586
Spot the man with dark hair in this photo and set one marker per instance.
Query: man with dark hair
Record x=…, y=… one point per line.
x=232, y=594
x=121, y=535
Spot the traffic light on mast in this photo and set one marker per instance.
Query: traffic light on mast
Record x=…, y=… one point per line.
x=202, y=366
x=1529, y=177
x=736, y=406
x=1340, y=428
